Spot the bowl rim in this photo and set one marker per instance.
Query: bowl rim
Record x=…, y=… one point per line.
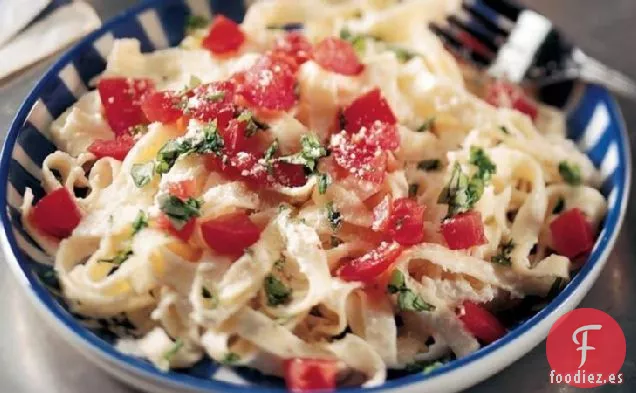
x=81, y=336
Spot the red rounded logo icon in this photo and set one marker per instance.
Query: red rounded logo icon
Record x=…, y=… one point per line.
x=586, y=348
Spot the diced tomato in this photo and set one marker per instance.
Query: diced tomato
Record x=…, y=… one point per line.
x=372, y=264
x=464, y=231
x=337, y=55
x=163, y=222
x=572, y=234
x=235, y=139
x=183, y=189
x=507, y=95
x=230, y=234
x=304, y=375
x=116, y=148
x=213, y=101
x=242, y=166
x=289, y=175
x=359, y=156
x=121, y=99
x=294, y=45
x=406, y=222
x=56, y=214
x=269, y=84
x=365, y=110
x=162, y=106
x=224, y=36
x=480, y=322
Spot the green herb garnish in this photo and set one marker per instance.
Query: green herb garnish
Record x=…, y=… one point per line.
x=230, y=358
x=333, y=216
x=253, y=124
x=141, y=222
x=206, y=140
x=142, y=173
x=324, y=180
x=504, y=129
x=429, y=165
x=277, y=293
x=407, y=300
x=503, y=253
x=462, y=193
x=168, y=154
x=571, y=173
x=403, y=55
x=178, y=344
x=485, y=167
x=311, y=151
x=178, y=211
x=195, y=22
x=120, y=257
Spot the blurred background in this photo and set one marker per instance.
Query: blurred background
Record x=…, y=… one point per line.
x=34, y=359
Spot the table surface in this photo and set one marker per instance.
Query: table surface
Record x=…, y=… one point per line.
x=34, y=359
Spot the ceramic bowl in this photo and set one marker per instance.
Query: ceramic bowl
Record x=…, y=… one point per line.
x=594, y=122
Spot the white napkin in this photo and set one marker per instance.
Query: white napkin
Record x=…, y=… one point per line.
x=15, y=15
x=45, y=37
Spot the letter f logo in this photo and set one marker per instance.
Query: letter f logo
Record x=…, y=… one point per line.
x=583, y=344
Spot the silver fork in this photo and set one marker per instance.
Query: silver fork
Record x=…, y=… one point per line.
x=513, y=42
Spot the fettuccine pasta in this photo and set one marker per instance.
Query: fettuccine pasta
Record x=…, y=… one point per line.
x=336, y=200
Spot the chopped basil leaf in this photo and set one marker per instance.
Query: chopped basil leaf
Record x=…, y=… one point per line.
x=397, y=282
x=410, y=301
x=230, y=358
x=427, y=125
x=141, y=222
x=271, y=150
x=120, y=257
x=178, y=344
x=559, y=207
x=485, y=167
x=178, y=211
x=253, y=124
x=335, y=241
x=423, y=366
x=195, y=22
x=142, y=173
x=429, y=165
x=206, y=140
x=504, y=129
x=503, y=253
x=357, y=41
x=311, y=152
x=462, y=193
x=407, y=300
x=413, y=188
x=212, y=142
x=324, y=180
x=277, y=293
x=571, y=173
x=168, y=154
x=269, y=155
x=194, y=82
x=403, y=55
x=333, y=216
x=456, y=194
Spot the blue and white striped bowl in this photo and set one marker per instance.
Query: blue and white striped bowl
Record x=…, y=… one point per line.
x=594, y=121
